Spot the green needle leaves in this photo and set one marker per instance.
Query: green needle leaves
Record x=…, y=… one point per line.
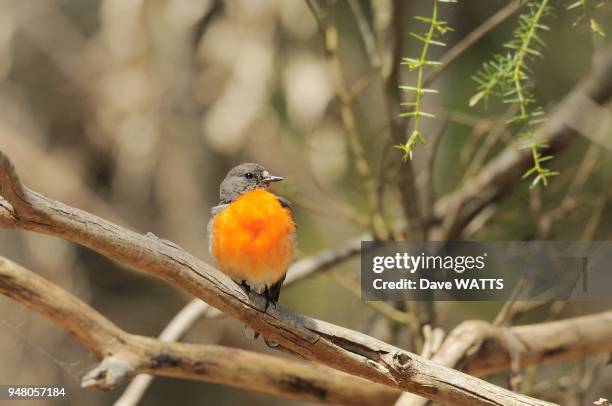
x=436, y=28
x=508, y=77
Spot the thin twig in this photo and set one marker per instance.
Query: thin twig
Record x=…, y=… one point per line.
x=473, y=37
x=366, y=34
x=329, y=33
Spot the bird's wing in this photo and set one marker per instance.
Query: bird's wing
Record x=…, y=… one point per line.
x=213, y=212
x=287, y=204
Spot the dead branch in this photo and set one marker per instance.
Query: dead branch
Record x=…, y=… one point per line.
x=123, y=355
x=480, y=348
x=196, y=309
x=339, y=348
x=544, y=343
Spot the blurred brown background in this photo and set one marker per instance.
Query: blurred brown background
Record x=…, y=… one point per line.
x=134, y=111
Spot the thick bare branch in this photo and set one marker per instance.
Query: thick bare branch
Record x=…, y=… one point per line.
x=550, y=342
x=196, y=309
x=300, y=270
x=331, y=345
x=174, y=331
x=123, y=355
x=480, y=348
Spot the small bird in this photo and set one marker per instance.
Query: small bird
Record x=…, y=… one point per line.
x=252, y=231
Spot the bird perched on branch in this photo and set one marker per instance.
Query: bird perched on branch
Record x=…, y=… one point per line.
x=252, y=231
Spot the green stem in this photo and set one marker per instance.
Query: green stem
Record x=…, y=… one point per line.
x=422, y=62
x=536, y=158
x=519, y=58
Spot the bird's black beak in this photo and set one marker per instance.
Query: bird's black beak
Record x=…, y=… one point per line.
x=270, y=179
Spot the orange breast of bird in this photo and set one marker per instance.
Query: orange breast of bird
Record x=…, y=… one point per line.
x=253, y=239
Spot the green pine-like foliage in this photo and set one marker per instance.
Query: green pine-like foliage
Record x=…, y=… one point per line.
x=435, y=29
x=508, y=77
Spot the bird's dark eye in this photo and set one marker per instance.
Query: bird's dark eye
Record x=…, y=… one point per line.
x=248, y=175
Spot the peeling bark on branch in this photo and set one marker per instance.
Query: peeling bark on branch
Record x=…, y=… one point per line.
x=196, y=309
x=123, y=355
x=330, y=345
x=480, y=348
x=475, y=346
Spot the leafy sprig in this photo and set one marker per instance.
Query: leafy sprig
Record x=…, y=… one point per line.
x=436, y=28
x=508, y=77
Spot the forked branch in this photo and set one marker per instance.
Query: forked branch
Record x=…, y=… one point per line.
x=334, y=346
x=123, y=355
